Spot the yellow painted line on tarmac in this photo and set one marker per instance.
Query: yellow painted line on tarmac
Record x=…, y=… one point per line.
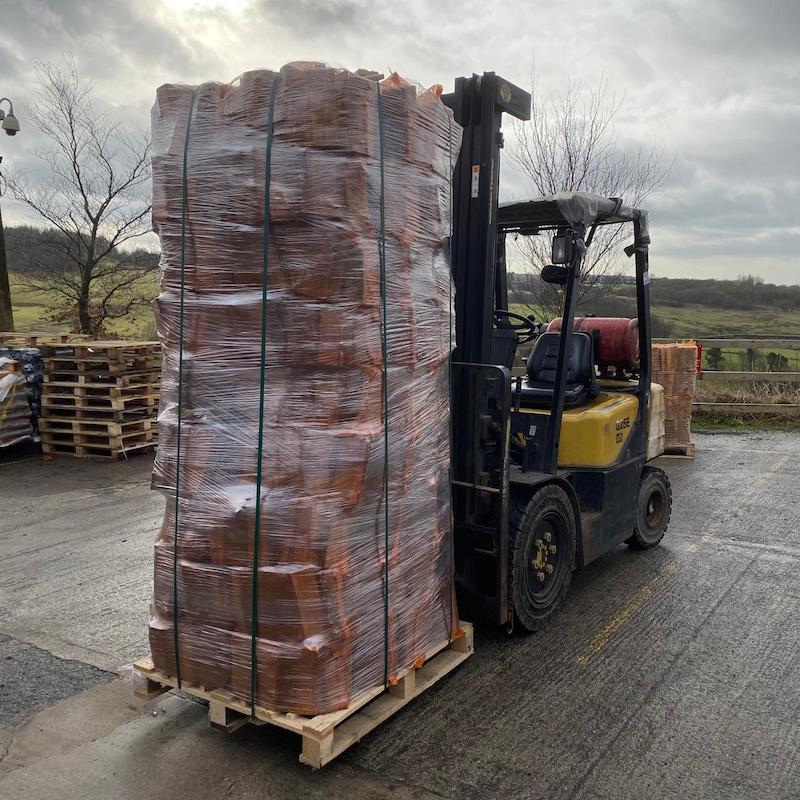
x=642, y=596
x=122, y=487
x=756, y=486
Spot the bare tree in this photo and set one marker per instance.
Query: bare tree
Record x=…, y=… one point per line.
x=570, y=144
x=92, y=198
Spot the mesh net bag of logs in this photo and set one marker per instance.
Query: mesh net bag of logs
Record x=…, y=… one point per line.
x=306, y=320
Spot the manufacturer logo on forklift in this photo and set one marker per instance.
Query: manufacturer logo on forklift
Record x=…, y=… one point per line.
x=622, y=425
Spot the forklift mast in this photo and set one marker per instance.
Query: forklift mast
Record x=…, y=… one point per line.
x=480, y=389
x=478, y=104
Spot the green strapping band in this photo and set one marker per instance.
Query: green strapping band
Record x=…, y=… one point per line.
x=385, y=355
x=184, y=209
x=264, y=297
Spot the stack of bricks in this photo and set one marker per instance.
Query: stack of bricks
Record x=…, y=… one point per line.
x=675, y=368
x=342, y=601
x=100, y=399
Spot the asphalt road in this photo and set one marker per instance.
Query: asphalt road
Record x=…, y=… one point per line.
x=669, y=673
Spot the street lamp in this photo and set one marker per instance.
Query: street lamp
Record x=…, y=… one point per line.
x=10, y=124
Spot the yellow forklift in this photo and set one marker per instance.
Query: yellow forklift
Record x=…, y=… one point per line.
x=550, y=470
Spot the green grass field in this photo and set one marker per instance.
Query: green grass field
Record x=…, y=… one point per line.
x=695, y=321
x=690, y=322
x=30, y=314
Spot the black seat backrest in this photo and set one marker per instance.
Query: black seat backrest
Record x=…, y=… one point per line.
x=543, y=360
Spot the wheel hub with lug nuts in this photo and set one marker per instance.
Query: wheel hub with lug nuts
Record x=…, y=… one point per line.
x=544, y=549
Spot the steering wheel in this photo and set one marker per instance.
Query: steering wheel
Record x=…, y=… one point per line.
x=526, y=328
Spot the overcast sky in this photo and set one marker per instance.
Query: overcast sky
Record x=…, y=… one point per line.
x=714, y=82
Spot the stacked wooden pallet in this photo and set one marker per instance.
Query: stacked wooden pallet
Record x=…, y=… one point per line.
x=100, y=399
x=32, y=339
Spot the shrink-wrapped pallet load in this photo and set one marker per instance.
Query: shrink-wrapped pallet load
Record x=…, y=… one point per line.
x=29, y=359
x=282, y=321
x=15, y=412
x=675, y=368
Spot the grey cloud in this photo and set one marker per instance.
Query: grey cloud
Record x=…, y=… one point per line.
x=714, y=81
x=109, y=32
x=312, y=17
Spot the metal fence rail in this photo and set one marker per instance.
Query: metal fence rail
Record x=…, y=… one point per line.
x=790, y=343
x=764, y=343
x=776, y=377
x=756, y=377
x=773, y=409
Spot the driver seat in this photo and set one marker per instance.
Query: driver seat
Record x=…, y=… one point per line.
x=581, y=384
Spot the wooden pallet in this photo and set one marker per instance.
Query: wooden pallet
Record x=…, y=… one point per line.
x=100, y=378
x=101, y=427
x=679, y=450
x=324, y=736
x=102, y=362
x=99, y=451
x=95, y=438
x=103, y=390
x=65, y=411
x=34, y=339
x=114, y=398
x=117, y=351
x=116, y=356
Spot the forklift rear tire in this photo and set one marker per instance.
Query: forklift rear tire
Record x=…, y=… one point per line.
x=653, y=509
x=543, y=556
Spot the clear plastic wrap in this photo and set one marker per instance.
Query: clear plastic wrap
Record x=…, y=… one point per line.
x=29, y=359
x=15, y=412
x=342, y=603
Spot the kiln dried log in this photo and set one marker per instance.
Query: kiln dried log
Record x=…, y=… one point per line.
x=340, y=598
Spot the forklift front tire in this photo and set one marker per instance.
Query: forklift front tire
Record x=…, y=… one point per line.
x=653, y=509
x=543, y=556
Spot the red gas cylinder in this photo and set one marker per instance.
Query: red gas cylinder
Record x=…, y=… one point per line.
x=616, y=340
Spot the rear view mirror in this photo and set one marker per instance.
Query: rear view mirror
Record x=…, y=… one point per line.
x=555, y=275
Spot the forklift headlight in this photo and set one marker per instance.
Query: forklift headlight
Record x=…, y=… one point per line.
x=563, y=249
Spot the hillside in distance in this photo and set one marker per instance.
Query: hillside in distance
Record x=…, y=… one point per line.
x=688, y=308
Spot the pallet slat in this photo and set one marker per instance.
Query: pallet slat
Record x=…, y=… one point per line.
x=95, y=451
x=96, y=438
x=103, y=427
x=90, y=405
x=64, y=412
x=100, y=379
x=324, y=736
